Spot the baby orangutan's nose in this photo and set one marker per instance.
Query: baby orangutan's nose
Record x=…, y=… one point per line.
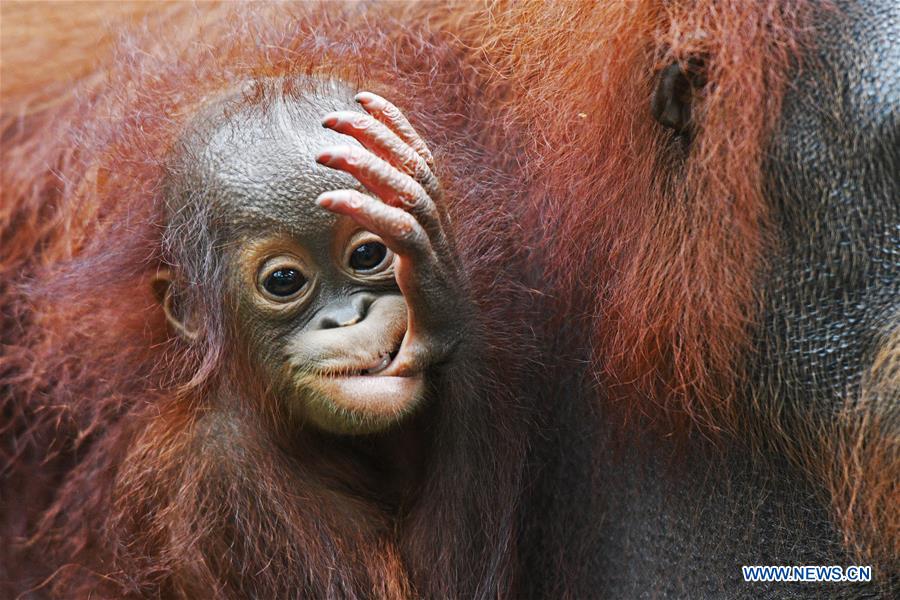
x=344, y=312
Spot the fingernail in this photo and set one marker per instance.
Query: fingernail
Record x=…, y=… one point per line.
x=368, y=99
x=324, y=201
x=329, y=120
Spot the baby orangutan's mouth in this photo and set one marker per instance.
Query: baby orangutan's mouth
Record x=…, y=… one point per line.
x=370, y=393
x=381, y=363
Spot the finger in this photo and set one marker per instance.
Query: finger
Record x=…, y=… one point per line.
x=391, y=116
x=415, y=355
x=385, y=144
x=399, y=230
x=390, y=185
x=432, y=330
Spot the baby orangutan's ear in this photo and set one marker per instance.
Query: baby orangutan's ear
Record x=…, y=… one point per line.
x=176, y=315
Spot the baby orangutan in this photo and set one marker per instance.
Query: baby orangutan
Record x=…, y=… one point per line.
x=343, y=291
x=327, y=357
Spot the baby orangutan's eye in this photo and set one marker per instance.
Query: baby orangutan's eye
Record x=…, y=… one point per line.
x=368, y=256
x=285, y=282
x=281, y=281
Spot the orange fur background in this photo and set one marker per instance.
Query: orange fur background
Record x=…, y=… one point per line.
x=655, y=250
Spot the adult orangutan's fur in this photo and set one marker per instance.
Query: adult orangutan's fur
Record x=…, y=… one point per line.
x=599, y=248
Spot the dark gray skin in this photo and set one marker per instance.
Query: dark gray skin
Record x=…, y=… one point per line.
x=658, y=519
x=344, y=284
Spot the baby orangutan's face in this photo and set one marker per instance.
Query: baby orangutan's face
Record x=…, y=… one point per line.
x=344, y=283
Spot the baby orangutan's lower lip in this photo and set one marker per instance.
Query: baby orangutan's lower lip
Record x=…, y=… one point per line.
x=377, y=396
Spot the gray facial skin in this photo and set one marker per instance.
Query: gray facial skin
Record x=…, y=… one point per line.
x=338, y=344
x=833, y=293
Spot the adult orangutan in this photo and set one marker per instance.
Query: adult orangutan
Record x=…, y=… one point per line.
x=706, y=376
x=717, y=186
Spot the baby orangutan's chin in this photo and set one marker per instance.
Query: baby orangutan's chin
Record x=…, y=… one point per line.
x=359, y=403
x=365, y=403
